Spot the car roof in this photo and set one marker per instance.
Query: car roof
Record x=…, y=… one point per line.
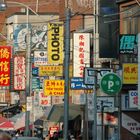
x=25, y=138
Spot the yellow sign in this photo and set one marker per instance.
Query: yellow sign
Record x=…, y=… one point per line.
x=54, y=87
x=50, y=70
x=130, y=73
x=55, y=43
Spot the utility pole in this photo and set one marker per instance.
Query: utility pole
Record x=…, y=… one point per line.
x=66, y=72
x=28, y=69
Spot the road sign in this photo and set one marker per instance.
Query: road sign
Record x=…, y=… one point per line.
x=111, y=84
x=89, y=74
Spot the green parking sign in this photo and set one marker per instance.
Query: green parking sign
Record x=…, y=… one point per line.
x=111, y=84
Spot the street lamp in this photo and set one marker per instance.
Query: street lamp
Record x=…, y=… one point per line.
x=28, y=57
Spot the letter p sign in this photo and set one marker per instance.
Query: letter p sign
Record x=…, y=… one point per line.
x=110, y=84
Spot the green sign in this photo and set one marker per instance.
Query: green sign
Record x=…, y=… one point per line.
x=111, y=83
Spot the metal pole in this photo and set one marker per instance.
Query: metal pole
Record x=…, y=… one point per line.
x=102, y=119
x=66, y=72
x=28, y=51
x=139, y=71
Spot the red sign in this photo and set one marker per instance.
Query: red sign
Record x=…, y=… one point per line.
x=19, y=73
x=5, y=56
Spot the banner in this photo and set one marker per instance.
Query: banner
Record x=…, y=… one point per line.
x=44, y=100
x=5, y=56
x=81, y=53
x=54, y=87
x=40, y=58
x=50, y=70
x=19, y=73
x=130, y=73
x=55, y=43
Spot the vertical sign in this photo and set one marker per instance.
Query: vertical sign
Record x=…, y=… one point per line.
x=133, y=99
x=19, y=73
x=55, y=43
x=5, y=56
x=81, y=53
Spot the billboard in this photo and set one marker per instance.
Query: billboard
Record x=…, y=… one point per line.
x=40, y=58
x=51, y=70
x=5, y=56
x=130, y=73
x=128, y=44
x=19, y=73
x=55, y=43
x=54, y=87
x=81, y=53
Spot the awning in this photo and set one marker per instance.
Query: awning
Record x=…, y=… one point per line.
x=56, y=113
x=8, y=125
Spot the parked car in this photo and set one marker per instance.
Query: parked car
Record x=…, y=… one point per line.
x=25, y=138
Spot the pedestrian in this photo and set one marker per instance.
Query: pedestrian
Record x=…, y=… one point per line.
x=5, y=136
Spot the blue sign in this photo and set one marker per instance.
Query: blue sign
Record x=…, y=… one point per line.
x=128, y=44
x=35, y=83
x=35, y=71
x=78, y=83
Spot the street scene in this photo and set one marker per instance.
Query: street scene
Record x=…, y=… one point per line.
x=69, y=69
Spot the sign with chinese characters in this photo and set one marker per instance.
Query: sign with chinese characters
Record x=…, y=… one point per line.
x=78, y=83
x=51, y=70
x=35, y=83
x=40, y=58
x=133, y=99
x=54, y=87
x=81, y=53
x=55, y=43
x=5, y=56
x=44, y=100
x=19, y=73
x=130, y=124
x=130, y=73
x=128, y=44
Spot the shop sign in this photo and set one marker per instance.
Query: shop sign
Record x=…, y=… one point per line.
x=130, y=73
x=77, y=83
x=106, y=103
x=40, y=58
x=130, y=124
x=35, y=71
x=81, y=53
x=55, y=43
x=19, y=73
x=44, y=100
x=128, y=44
x=35, y=83
x=5, y=56
x=54, y=87
x=51, y=70
x=133, y=99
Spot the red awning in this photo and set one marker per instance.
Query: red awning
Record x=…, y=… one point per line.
x=8, y=125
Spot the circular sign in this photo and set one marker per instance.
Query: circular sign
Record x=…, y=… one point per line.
x=111, y=83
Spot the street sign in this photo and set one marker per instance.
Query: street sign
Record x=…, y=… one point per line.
x=89, y=74
x=78, y=83
x=111, y=84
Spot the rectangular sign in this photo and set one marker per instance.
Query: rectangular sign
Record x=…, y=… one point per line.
x=133, y=99
x=54, y=87
x=81, y=53
x=51, y=70
x=78, y=83
x=35, y=83
x=29, y=103
x=44, y=100
x=128, y=44
x=130, y=73
x=5, y=56
x=35, y=71
x=55, y=43
x=40, y=58
x=19, y=73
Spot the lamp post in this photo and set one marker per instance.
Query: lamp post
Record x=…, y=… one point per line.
x=28, y=57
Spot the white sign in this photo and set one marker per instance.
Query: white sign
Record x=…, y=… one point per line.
x=57, y=100
x=81, y=52
x=133, y=99
x=106, y=102
x=130, y=124
x=40, y=58
x=44, y=100
x=2, y=97
x=19, y=73
x=29, y=103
